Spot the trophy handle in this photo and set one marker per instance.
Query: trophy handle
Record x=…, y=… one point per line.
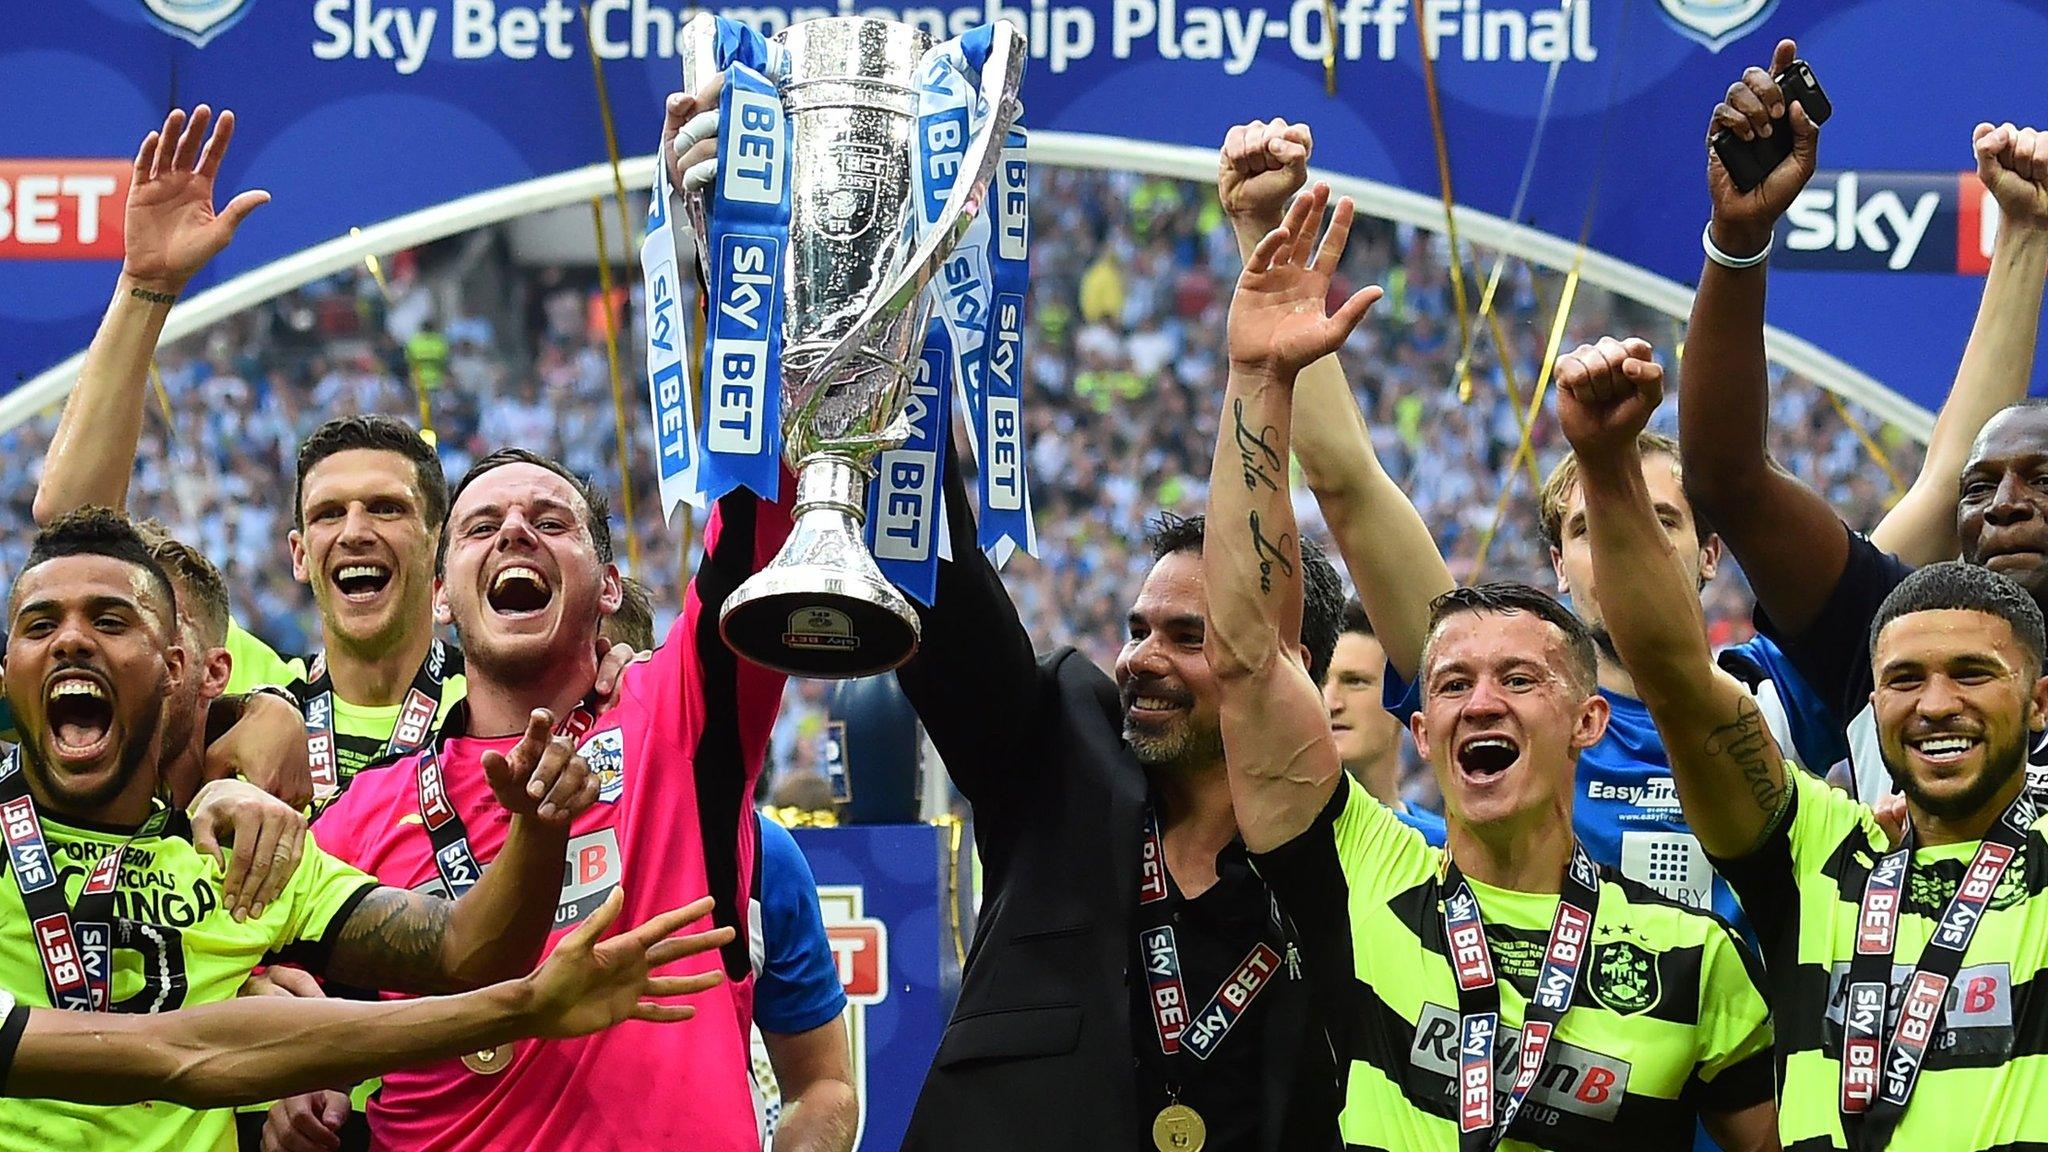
x=1001, y=76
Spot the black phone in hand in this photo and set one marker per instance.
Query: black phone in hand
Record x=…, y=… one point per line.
x=1749, y=161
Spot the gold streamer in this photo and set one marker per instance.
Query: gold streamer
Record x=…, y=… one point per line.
x=604, y=115
x=1514, y=385
x=1870, y=444
x=1329, y=47
x=163, y=402
x=611, y=357
x=1443, y=175
x=956, y=831
x=1524, y=450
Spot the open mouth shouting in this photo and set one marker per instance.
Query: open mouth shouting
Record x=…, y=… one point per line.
x=360, y=582
x=519, y=590
x=78, y=705
x=1484, y=758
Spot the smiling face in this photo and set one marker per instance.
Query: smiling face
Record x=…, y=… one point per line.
x=366, y=549
x=1572, y=558
x=1957, y=702
x=90, y=661
x=523, y=583
x=2002, y=511
x=1170, y=701
x=1502, y=721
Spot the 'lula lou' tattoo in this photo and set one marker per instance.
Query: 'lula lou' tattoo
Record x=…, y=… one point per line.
x=1258, y=456
x=1271, y=555
x=1747, y=742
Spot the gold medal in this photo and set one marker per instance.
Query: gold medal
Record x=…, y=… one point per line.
x=1179, y=1128
x=490, y=1061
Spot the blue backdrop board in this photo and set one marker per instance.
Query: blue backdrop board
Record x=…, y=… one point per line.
x=885, y=891
x=356, y=113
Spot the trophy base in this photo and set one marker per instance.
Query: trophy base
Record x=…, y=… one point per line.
x=820, y=623
x=822, y=609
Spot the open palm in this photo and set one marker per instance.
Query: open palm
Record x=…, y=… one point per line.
x=1277, y=317
x=171, y=229
x=585, y=986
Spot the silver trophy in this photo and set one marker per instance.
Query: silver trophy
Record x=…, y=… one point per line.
x=853, y=326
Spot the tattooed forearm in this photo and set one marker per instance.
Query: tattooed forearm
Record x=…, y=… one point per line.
x=1261, y=461
x=394, y=940
x=1746, y=743
x=1272, y=555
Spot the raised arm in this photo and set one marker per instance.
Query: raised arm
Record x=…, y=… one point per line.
x=261, y=1047
x=410, y=942
x=1276, y=733
x=1731, y=780
x=1998, y=362
x=170, y=231
x=1386, y=547
x=1790, y=543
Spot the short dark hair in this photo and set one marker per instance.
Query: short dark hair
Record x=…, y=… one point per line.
x=98, y=531
x=599, y=521
x=1557, y=489
x=1322, y=602
x=1355, y=619
x=1958, y=585
x=633, y=624
x=209, y=591
x=1506, y=596
x=380, y=433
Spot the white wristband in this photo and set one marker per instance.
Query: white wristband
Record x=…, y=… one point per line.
x=1715, y=254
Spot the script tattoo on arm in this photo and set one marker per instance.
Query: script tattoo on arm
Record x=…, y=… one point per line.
x=1745, y=742
x=1271, y=555
x=393, y=940
x=1257, y=454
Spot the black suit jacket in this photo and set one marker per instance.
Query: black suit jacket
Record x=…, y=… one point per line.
x=1038, y=1055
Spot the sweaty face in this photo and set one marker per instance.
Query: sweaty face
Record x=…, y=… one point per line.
x=1956, y=704
x=89, y=664
x=523, y=583
x=2002, y=512
x=1501, y=721
x=1169, y=697
x=1360, y=726
x=1573, y=559
x=367, y=549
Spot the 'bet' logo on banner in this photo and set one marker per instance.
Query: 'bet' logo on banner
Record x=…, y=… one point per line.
x=62, y=209
x=753, y=172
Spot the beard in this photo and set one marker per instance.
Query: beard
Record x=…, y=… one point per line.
x=2001, y=764
x=1181, y=742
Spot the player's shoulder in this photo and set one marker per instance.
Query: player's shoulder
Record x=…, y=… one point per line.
x=1668, y=923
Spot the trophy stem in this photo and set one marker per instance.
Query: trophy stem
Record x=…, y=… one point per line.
x=821, y=608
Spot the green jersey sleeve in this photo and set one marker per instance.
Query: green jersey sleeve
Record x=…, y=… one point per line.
x=253, y=664
x=318, y=901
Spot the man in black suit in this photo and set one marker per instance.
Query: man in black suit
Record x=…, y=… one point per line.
x=1117, y=901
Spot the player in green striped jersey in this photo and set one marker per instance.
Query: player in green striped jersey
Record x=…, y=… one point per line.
x=1907, y=980
x=1507, y=993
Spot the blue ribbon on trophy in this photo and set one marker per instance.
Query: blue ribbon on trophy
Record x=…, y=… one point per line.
x=987, y=268
x=668, y=374
x=1006, y=521
x=746, y=245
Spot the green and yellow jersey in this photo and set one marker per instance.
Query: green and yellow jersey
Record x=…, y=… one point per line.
x=1668, y=1020
x=361, y=733
x=174, y=946
x=1985, y=1081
